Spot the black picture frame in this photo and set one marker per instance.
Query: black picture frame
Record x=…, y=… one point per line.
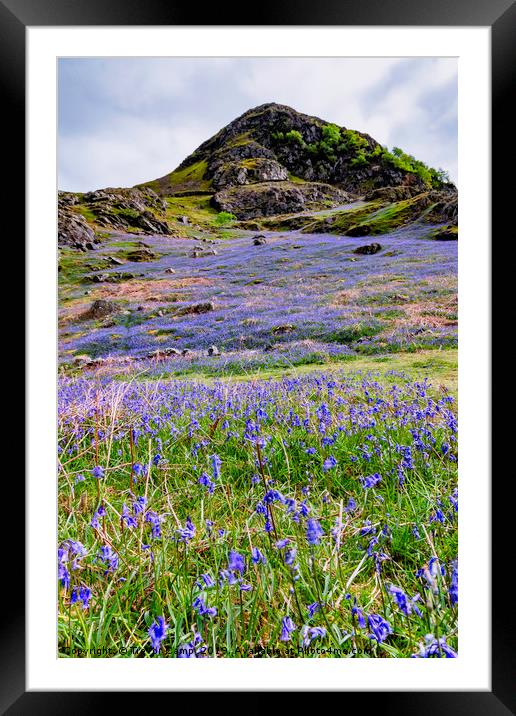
x=500, y=16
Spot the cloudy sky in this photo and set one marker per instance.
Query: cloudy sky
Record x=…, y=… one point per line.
x=123, y=121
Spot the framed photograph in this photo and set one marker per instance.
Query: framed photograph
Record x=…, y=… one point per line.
x=259, y=344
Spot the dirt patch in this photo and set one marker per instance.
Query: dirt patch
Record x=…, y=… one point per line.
x=151, y=290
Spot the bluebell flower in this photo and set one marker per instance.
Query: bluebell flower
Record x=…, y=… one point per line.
x=127, y=517
x=329, y=463
x=139, y=505
x=226, y=575
x=370, y=480
x=203, y=610
x=154, y=520
x=206, y=580
x=236, y=562
x=290, y=556
x=206, y=480
x=95, y=522
x=98, y=472
x=187, y=532
x=313, y=609
x=433, y=648
x=81, y=594
x=314, y=532
x=216, y=462
x=454, y=586
x=110, y=558
x=357, y=612
x=282, y=543
x=310, y=633
x=63, y=575
x=287, y=627
x=273, y=496
x=157, y=633
x=257, y=556
x=194, y=649
x=380, y=628
x=405, y=604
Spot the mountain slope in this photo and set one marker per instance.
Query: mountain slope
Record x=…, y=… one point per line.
x=275, y=143
x=270, y=161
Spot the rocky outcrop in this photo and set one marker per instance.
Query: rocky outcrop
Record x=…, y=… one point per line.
x=268, y=199
x=72, y=228
x=247, y=171
x=120, y=209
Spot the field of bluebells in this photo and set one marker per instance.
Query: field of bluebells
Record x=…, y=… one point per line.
x=311, y=517
x=300, y=298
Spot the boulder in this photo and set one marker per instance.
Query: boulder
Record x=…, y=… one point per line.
x=139, y=255
x=200, y=254
x=359, y=230
x=282, y=330
x=446, y=233
x=368, y=249
x=202, y=307
x=100, y=309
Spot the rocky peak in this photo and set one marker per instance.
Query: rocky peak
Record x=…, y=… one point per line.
x=274, y=142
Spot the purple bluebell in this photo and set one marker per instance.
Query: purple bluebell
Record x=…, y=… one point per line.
x=157, y=633
x=236, y=562
x=313, y=609
x=202, y=609
x=216, y=462
x=109, y=557
x=95, y=521
x=154, y=520
x=405, y=604
x=187, y=533
x=127, y=517
x=206, y=480
x=380, y=628
x=370, y=480
x=310, y=633
x=329, y=463
x=257, y=556
x=314, y=532
x=287, y=627
x=454, y=586
x=435, y=649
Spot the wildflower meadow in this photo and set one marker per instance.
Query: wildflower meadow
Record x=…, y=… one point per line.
x=310, y=517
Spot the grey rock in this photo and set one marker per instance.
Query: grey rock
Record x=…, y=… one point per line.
x=368, y=249
x=101, y=308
